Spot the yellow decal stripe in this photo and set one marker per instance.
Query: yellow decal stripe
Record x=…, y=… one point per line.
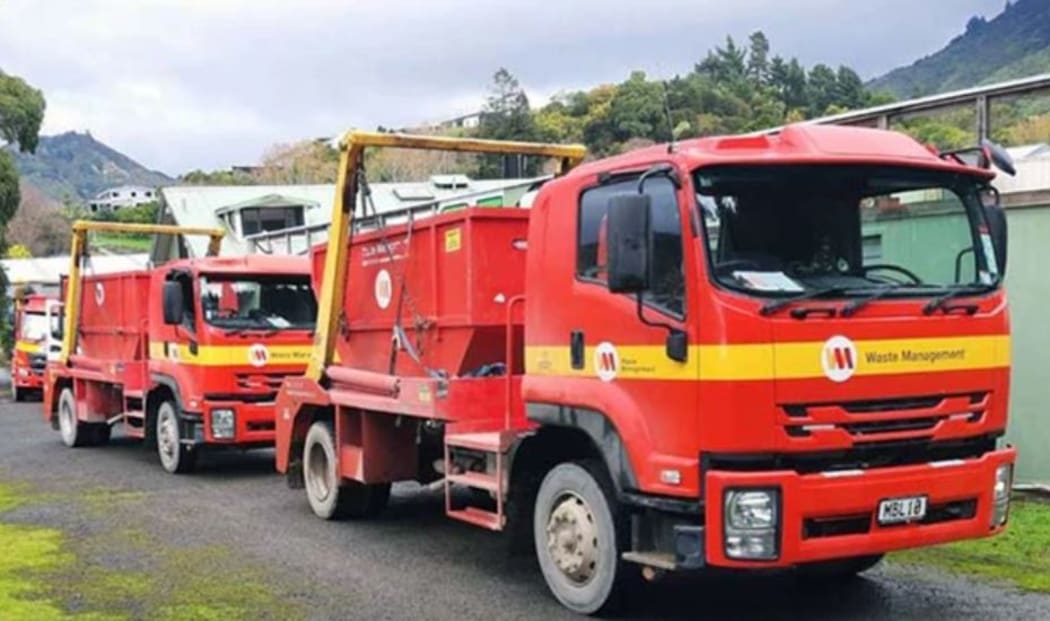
x=798, y=360
x=28, y=347
x=228, y=355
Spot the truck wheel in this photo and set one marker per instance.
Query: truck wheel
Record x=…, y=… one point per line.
x=330, y=498
x=838, y=569
x=17, y=395
x=74, y=433
x=578, y=541
x=175, y=457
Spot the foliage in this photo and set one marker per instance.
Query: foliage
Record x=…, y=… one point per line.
x=145, y=213
x=18, y=251
x=1014, y=44
x=217, y=177
x=506, y=116
x=309, y=161
x=735, y=88
x=21, y=112
x=41, y=225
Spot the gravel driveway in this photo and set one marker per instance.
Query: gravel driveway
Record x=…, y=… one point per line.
x=411, y=563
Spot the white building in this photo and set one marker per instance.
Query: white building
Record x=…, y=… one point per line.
x=113, y=199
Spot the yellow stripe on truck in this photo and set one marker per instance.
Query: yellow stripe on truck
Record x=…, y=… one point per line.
x=230, y=355
x=765, y=361
x=28, y=347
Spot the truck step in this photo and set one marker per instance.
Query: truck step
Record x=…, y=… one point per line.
x=488, y=442
x=477, y=517
x=651, y=559
x=479, y=480
x=134, y=414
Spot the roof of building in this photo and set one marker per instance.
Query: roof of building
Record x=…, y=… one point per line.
x=47, y=270
x=203, y=206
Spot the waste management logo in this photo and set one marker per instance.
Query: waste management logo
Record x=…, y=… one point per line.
x=839, y=358
x=258, y=355
x=606, y=361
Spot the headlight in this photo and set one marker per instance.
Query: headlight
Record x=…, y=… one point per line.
x=1004, y=476
x=222, y=423
x=752, y=523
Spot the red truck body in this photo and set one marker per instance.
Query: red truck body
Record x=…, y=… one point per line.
x=721, y=422
x=129, y=361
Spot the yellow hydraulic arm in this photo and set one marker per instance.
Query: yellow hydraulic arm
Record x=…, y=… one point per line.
x=78, y=249
x=352, y=146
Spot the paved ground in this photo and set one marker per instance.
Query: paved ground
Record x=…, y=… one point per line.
x=410, y=564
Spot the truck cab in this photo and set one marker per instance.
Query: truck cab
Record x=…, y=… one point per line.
x=33, y=344
x=223, y=334
x=796, y=346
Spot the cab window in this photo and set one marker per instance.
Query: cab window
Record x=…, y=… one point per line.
x=668, y=284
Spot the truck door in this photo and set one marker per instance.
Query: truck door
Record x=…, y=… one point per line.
x=53, y=342
x=180, y=345
x=620, y=357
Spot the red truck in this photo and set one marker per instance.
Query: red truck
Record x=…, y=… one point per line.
x=34, y=342
x=757, y=352
x=185, y=355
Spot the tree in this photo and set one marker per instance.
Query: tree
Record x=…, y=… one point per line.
x=505, y=116
x=637, y=110
x=758, y=58
x=21, y=112
x=849, y=89
x=40, y=225
x=309, y=161
x=18, y=251
x=822, y=86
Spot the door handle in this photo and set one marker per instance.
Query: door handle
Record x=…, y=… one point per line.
x=576, y=349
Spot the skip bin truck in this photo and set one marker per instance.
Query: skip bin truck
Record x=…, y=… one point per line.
x=774, y=351
x=34, y=345
x=185, y=355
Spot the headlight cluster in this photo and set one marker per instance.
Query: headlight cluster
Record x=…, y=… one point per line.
x=222, y=423
x=752, y=524
x=1004, y=476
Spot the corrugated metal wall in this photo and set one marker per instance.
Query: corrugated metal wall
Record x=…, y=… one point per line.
x=1028, y=285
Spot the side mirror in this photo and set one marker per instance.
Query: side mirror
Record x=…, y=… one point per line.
x=998, y=157
x=628, y=222
x=172, y=302
x=995, y=216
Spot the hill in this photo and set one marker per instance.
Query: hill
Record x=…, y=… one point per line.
x=1014, y=44
x=76, y=166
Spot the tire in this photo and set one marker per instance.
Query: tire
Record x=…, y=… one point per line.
x=74, y=433
x=576, y=503
x=329, y=497
x=17, y=395
x=175, y=457
x=838, y=569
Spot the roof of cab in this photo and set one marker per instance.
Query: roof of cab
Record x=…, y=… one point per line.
x=795, y=144
x=250, y=264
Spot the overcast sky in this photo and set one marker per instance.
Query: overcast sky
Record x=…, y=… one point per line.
x=210, y=83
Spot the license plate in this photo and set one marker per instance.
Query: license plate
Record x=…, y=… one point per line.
x=901, y=510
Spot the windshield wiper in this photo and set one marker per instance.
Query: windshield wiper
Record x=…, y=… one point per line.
x=941, y=301
x=772, y=308
x=851, y=309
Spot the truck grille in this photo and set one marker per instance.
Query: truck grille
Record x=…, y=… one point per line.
x=38, y=362
x=901, y=417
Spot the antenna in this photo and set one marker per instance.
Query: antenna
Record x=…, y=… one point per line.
x=667, y=112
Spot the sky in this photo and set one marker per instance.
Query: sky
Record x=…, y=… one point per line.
x=212, y=83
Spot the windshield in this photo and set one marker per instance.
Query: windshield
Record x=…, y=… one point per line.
x=34, y=327
x=258, y=302
x=785, y=230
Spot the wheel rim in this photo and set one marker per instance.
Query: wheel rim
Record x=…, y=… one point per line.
x=318, y=473
x=572, y=538
x=167, y=438
x=66, y=423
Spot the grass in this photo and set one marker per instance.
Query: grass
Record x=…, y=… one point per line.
x=122, y=241
x=46, y=575
x=1020, y=556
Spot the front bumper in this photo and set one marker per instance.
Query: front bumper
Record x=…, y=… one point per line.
x=253, y=424
x=27, y=377
x=826, y=516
